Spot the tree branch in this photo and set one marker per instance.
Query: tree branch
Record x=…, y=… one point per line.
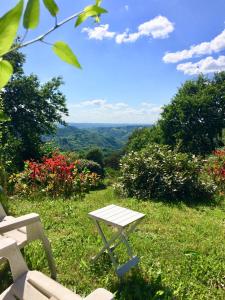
x=42, y=36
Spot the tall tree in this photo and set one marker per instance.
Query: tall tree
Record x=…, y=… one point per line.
x=195, y=119
x=34, y=109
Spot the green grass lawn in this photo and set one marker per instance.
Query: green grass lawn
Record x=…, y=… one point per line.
x=182, y=248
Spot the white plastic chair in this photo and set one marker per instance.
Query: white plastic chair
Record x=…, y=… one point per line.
x=25, y=229
x=33, y=285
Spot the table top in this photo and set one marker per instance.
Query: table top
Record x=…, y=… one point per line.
x=116, y=215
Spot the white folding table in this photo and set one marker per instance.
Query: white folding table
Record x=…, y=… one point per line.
x=125, y=221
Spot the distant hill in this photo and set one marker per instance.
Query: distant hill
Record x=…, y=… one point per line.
x=105, y=125
x=82, y=137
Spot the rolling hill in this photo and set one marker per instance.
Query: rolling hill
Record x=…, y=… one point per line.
x=82, y=137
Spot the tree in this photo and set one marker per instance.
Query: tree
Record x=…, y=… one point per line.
x=194, y=120
x=9, y=24
x=112, y=160
x=34, y=110
x=96, y=155
x=142, y=137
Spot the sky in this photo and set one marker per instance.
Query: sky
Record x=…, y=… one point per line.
x=134, y=61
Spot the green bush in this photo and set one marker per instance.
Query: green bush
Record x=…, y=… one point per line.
x=91, y=166
x=95, y=155
x=3, y=178
x=158, y=172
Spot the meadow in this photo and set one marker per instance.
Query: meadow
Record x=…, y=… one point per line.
x=181, y=247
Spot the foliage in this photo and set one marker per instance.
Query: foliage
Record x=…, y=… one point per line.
x=91, y=166
x=181, y=248
x=194, y=120
x=3, y=178
x=112, y=160
x=142, y=137
x=9, y=25
x=48, y=149
x=96, y=155
x=34, y=109
x=158, y=172
x=55, y=176
x=215, y=168
x=111, y=176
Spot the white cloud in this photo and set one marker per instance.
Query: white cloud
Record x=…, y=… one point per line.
x=157, y=28
x=96, y=102
x=215, y=45
x=205, y=66
x=126, y=7
x=99, y=33
x=127, y=37
x=100, y=110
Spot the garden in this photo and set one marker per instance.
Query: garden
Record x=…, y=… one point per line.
x=179, y=242
x=173, y=172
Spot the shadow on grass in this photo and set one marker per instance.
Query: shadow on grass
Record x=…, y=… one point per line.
x=197, y=203
x=5, y=276
x=136, y=287
x=102, y=265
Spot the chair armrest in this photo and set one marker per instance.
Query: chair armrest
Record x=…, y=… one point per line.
x=49, y=287
x=19, y=222
x=100, y=294
x=6, y=243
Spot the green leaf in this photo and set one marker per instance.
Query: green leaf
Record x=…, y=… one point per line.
x=89, y=11
x=97, y=19
x=6, y=71
x=9, y=24
x=32, y=14
x=51, y=7
x=63, y=51
x=3, y=116
x=98, y=2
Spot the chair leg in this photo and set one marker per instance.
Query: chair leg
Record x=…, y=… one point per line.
x=48, y=251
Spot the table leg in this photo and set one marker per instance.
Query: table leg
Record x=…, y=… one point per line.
x=107, y=245
x=125, y=241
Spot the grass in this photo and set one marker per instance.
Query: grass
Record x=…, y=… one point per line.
x=182, y=248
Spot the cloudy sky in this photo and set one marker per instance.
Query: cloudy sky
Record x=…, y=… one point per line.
x=135, y=59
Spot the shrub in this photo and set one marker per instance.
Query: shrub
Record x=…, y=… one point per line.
x=112, y=160
x=158, y=172
x=215, y=169
x=96, y=155
x=55, y=176
x=91, y=166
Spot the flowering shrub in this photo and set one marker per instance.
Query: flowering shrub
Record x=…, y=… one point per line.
x=55, y=176
x=158, y=172
x=215, y=168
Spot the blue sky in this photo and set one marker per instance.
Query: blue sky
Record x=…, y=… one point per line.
x=135, y=59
